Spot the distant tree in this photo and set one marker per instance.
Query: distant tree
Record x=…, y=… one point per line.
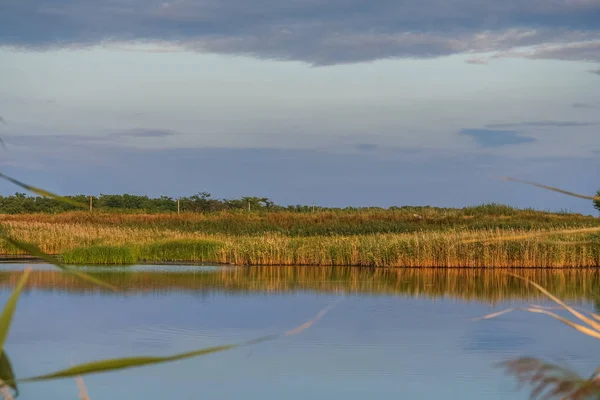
x=597, y=201
x=253, y=203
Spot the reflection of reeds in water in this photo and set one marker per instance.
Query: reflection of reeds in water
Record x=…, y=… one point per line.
x=466, y=284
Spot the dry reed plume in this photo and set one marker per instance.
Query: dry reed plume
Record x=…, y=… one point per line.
x=550, y=380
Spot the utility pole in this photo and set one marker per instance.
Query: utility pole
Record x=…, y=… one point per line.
x=91, y=203
x=177, y=206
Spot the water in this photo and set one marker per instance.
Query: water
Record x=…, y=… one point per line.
x=405, y=333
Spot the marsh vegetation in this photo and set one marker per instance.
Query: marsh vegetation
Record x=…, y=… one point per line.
x=424, y=237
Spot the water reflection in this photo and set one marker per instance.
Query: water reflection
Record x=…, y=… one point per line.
x=489, y=286
x=405, y=333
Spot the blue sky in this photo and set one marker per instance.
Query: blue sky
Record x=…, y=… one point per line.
x=335, y=102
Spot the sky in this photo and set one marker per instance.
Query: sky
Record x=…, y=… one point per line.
x=337, y=103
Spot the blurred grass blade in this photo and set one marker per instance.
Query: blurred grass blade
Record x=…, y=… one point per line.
x=133, y=362
x=577, y=314
x=583, y=329
x=595, y=316
x=10, y=306
x=581, y=196
x=35, y=251
x=83, y=392
x=7, y=375
x=311, y=322
x=580, y=328
x=43, y=192
x=496, y=314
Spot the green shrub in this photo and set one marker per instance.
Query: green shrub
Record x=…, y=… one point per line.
x=101, y=255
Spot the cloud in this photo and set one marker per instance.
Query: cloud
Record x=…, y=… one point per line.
x=586, y=105
x=595, y=71
x=147, y=133
x=558, y=124
x=366, y=147
x=586, y=49
x=76, y=140
x=477, y=61
x=490, y=138
x=319, y=32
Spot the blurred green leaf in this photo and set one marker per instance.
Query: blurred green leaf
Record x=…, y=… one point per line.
x=6, y=373
x=9, y=308
x=35, y=251
x=132, y=362
x=43, y=192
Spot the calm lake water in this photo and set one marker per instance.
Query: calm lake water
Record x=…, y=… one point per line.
x=393, y=333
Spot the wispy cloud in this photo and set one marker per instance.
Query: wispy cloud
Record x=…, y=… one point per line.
x=477, y=61
x=367, y=147
x=146, y=133
x=586, y=105
x=56, y=141
x=318, y=32
x=587, y=48
x=595, y=71
x=491, y=138
x=559, y=124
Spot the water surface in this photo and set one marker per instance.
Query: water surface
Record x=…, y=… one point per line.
x=404, y=333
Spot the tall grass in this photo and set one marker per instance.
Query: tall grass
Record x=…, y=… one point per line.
x=88, y=244
x=181, y=250
x=101, y=255
x=394, y=238
x=324, y=223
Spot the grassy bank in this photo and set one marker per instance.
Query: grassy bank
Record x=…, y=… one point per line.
x=366, y=238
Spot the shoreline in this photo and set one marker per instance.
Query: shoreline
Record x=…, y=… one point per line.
x=18, y=259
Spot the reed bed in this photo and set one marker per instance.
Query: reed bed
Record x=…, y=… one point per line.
x=113, y=243
x=324, y=223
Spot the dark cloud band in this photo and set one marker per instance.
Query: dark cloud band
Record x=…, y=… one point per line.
x=319, y=32
x=490, y=138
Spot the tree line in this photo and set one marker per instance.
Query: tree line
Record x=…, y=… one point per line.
x=20, y=203
x=201, y=202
